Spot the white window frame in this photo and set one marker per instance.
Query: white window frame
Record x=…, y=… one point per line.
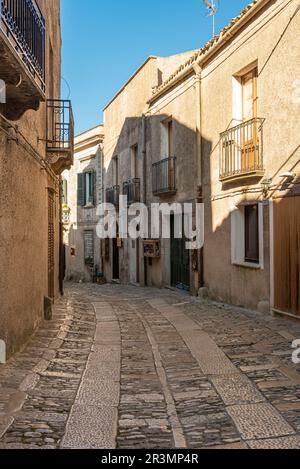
x=238, y=237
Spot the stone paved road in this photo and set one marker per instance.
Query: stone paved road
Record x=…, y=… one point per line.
x=142, y=368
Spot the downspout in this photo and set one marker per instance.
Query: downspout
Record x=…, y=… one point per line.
x=199, y=174
x=144, y=155
x=144, y=196
x=198, y=71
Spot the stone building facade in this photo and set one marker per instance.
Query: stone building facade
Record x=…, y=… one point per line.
x=35, y=146
x=82, y=193
x=220, y=128
x=249, y=156
x=126, y=163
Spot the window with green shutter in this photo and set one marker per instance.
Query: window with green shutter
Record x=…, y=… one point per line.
x=80, y=190
x=87, y=189
x=64, y=192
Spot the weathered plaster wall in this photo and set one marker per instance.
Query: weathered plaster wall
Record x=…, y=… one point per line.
x=278, y=61
x=87, y=157
x=180, y=105
x=24, y=212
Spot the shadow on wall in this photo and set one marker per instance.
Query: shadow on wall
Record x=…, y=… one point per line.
x=234, y=282
x=82, y=265
x=142, y=143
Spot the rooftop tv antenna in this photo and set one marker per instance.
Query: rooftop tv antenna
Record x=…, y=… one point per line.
x=212, y=7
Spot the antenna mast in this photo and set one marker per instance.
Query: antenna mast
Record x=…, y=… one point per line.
x=212, y=7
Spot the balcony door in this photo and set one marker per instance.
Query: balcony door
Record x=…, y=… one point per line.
x=249, y=136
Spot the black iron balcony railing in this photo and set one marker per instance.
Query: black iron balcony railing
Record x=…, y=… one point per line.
x=23, y=24
x=113, y=195
x=132, y=189
x=60, y=125
x=241, y=151
x=164, y=176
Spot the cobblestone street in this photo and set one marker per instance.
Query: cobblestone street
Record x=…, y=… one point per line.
x=123, y=367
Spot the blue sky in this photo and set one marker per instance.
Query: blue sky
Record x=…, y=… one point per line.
x=105, y=41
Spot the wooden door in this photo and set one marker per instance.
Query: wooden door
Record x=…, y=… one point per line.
x=50, y=244
x=249, y=130
x=287, y=255
x=180, y=259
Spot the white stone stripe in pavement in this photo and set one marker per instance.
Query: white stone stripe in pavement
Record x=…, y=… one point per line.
x=93, y=422
x=254, y=418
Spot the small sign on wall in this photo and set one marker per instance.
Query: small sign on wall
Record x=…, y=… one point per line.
x=152, y=249
x=73, y=252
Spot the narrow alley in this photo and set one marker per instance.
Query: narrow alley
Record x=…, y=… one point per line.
x=121, y=367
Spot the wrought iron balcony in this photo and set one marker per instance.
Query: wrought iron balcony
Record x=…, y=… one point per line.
x=164, y=176
x=132, y=189
x=113, y=195
x=60, y=134
x=241, y=151
x=22, y=52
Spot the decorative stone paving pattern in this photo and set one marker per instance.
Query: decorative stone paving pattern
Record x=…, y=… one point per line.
x=152, y=355
x=291, y=442
x=201, y=411
x=143, y=412
x=211, y=359
x=94, y=416
x=42, y=381
x=258, y=421
x=90, y=427
x=237, y=389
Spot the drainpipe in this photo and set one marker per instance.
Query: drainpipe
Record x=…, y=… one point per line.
x=198, y=71
x=144, y=153
x=199, y=175
x=144, y=192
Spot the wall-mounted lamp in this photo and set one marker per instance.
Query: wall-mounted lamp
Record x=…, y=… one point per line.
x=266, y=186
x=288, y=175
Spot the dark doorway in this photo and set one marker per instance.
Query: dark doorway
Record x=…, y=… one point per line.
x=51, y=243
x=116, y=260
x=138, y=261
x=180, y=258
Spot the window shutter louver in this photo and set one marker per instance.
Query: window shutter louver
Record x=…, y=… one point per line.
x=94, y=187
x=81, y=190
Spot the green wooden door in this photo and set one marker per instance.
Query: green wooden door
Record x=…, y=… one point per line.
x=180, y=259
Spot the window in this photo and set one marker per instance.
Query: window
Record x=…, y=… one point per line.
x=89, y=248
x=247, y=235
x=249, y=95
x=245, y=94
x=134, y=161
x=116, y=170
x=251, y=234
x=64, y=192
x=86, y=189
x=170, y=138
x=167, y=138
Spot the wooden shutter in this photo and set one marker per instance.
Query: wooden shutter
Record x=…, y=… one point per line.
x=81, y=189
x=94, y=187
x=251, y=234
